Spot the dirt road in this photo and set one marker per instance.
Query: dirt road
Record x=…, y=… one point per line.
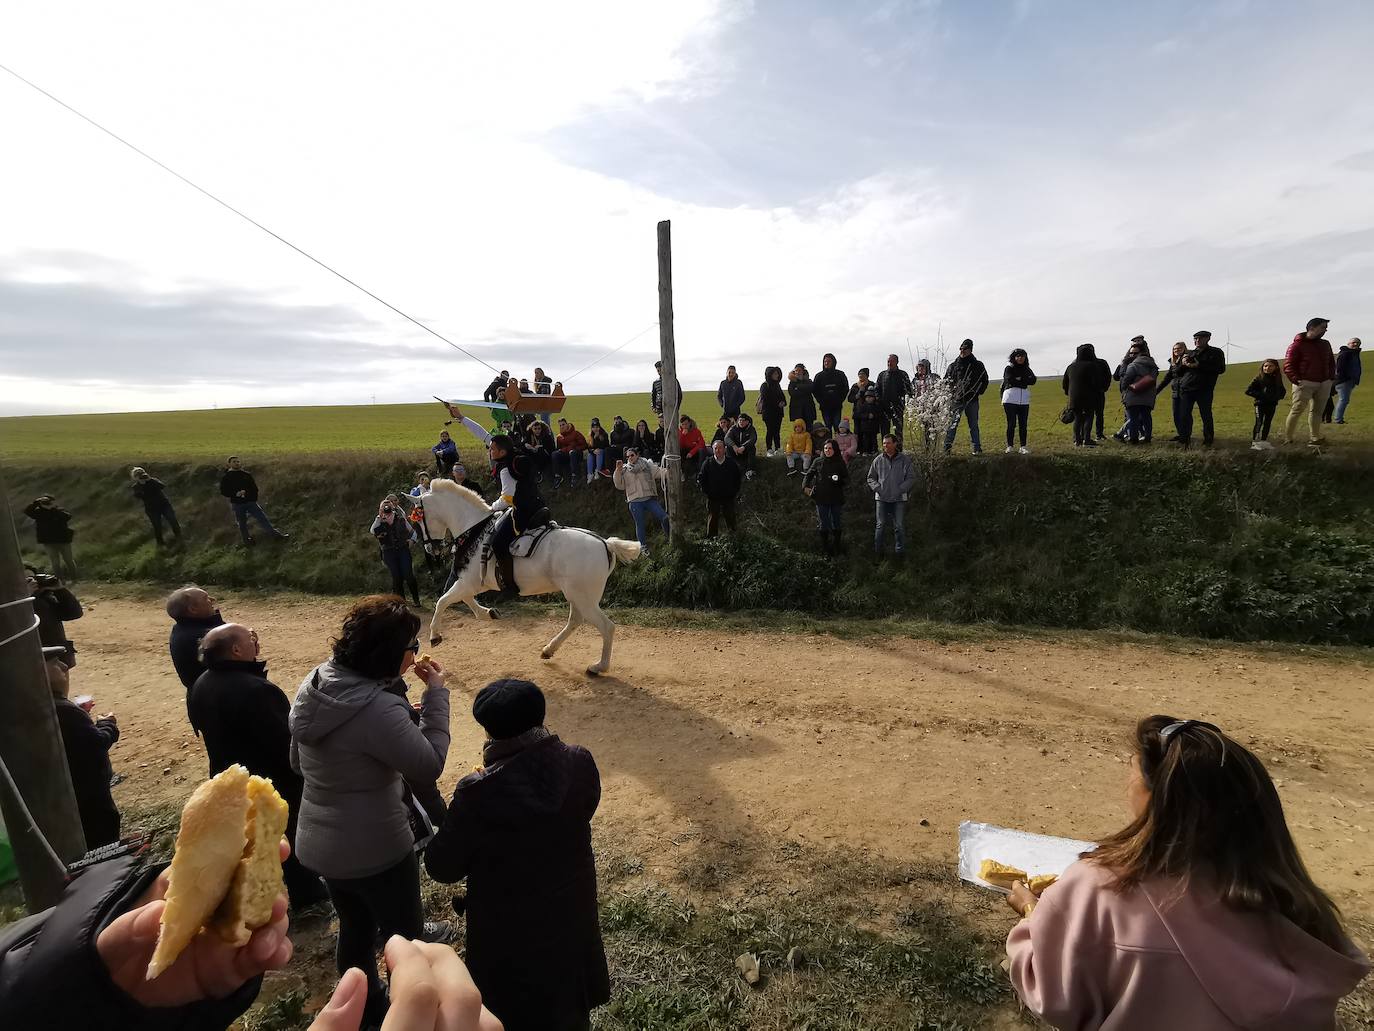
x=713, y=739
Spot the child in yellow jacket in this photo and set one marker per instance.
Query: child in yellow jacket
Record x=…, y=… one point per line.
x=798, y=447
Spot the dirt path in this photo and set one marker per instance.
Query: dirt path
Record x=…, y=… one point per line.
x=712, y=739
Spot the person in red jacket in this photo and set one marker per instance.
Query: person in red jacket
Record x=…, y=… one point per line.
x=1311, y=367
x=691, y=444
x=572, y=445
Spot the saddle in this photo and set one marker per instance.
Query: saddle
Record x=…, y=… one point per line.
x=528, y=542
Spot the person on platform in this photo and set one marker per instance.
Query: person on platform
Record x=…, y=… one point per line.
x=87, y=743
x=496, y=389
x=237, y=484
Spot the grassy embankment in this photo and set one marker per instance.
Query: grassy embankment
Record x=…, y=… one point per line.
x=1225, y=543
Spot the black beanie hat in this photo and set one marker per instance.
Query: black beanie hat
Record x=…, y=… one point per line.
x=508, y=708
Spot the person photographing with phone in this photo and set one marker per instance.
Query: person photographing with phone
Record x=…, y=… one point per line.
x=394, y=533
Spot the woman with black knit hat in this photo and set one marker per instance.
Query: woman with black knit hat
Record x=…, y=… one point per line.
x=519, y=829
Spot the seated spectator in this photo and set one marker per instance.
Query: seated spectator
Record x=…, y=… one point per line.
x=847, y=442
x=156, y=505
x=445, y=455
x=597, y=449
x=798, y=449
x=720, y=479
x=743, y=442
x=193, y=615
x=621, y=438
x=567, y=460
x=825, y=483
x=52, y=525
x=519, y=829
x=647, y=442
x=639, y=478
x=242, y=718
x=691, y=444
x=421, y=484
x=87, y=743
x=820, y=433
x=540, y=445
x=53, y=604
x=723, y=427
x=1198, y=914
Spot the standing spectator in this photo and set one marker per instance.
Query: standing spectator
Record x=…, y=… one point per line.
x=772, y=405
x=720, y=479
x=1136, y=340
x=891, y=478
x=242, y=718
x=422, y=481
x=646, y=442
x=1310, y=367
x=597, y=448
x=847, y=441
x=967, y=379
x=519, y=829
x=925, y=378
x=743, y=441
x=567, y=460
x=1100, y=415
x=153, y=493
x=639, y=478
x=53, y=604
x=1201, y=367
x=496, y=389
x=621, y=438
x=894, y=387
x=193, y=615
x=54, y=532
x=1198, y=915
x=1138, y=375
x=801, y=394
x=825, y=484
x=730, y=395
x=1347, y=376
x=87, y=743
x=1173, y=379
x=237, y=484
x=394, y=533
x=543, y=385
x=868, y=419
x=1085, y=382
x=1017, y=379
x=831, y=388
x=691, y=444
x=354, y=741
x=856, y=394
x=540, y=446
x=445, y=455
x=799, y=448
x=656, y=392
x=1268, y=390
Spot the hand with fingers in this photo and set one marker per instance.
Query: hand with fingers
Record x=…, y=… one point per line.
x=209, y=968
x=431, y=990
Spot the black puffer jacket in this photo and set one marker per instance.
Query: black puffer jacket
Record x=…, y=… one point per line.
x=50, y=523
x=1087, y=379
x=520, y=832
x=966, y=378
x=831, y=386
x=828, y=479
x=1200, y=369
x=801, y=392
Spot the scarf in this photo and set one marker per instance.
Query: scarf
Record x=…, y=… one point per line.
x=497, y=751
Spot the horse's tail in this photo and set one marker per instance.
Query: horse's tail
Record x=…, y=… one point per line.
x=624, y=551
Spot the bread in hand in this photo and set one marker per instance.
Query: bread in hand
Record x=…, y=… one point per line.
x=1041, y=881
x=258, y=880
x=1000, y=874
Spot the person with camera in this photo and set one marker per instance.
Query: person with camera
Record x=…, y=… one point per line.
x=156, y=505
x=639, y=478
x=1198, y=382
x=237, y=484
x=53, y=604
x=394, y=533
x=52, y=525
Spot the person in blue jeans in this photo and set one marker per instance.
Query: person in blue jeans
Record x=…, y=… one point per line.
x=237, y=484
x=1347, y=376
x=891, y=478
x=395, y=533
x=967, y=378
x=638, y=477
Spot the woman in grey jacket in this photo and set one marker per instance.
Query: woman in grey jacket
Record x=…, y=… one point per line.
x=354, y=740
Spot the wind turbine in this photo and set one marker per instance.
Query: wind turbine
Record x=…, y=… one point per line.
x=1228, y=345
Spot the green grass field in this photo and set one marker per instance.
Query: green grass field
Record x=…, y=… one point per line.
x=143, y=437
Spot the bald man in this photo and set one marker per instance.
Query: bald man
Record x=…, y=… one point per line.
x=241, y=716
x=193, y=615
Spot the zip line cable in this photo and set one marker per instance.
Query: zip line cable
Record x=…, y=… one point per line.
x=225, y=204
x=622, y=347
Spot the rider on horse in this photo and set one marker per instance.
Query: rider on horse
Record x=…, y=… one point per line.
x=520, y=501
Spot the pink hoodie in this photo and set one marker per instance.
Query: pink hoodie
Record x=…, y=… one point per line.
x=1148, y=959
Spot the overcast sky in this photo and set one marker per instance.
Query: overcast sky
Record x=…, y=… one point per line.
x=841, y=176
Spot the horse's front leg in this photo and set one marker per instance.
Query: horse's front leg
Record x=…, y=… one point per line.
x=445, y=600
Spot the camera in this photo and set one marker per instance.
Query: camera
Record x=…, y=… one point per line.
x=387, y=510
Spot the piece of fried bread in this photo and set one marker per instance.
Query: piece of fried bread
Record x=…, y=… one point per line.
x=258, y=880
x=1000, y=874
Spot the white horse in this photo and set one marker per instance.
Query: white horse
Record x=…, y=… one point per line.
x=576, y=563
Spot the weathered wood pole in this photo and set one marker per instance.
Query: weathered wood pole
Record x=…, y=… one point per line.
x=672, y=456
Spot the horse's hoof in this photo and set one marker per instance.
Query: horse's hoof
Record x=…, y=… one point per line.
x=436, y=639
x=494, y=613
x=546, y=654
x=592, y=671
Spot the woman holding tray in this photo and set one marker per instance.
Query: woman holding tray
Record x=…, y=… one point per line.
x=1199, y=914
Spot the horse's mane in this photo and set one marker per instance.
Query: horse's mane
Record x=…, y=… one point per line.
x=465, y=493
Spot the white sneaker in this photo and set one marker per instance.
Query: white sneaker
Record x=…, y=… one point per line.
x=591, y=477
x=1008, y=451
x=1024, y=450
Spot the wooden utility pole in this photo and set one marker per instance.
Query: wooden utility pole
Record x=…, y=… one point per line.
x=30, y=742
x=672, y=456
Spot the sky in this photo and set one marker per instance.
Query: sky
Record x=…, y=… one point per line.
x=855, y=177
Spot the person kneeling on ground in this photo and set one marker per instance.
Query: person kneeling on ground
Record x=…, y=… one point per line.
x=1199, y=914
x=519, y=830
x=825, y=483
x=720, y=479
x=891, y=477
x=638, y=477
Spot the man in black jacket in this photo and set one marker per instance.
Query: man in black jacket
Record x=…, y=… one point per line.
x=193, y=615
x=743, y=443
x=237, y=484
x=519, y=830
x=831, y=387
x=87, y=743
x=1198, y=382
x=967, y=379
x=53, y=604
x=52, y=526
x=730, y=395
x=242, y=718
x=496, y=389
x=894, y=387
x=656, y=392
x=720, y=479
